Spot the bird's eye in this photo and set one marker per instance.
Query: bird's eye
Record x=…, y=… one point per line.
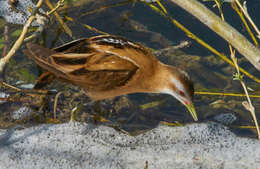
x=181, y=93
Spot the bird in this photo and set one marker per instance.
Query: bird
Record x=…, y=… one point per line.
x=106, y=66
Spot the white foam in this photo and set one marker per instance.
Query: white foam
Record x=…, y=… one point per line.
x=17, y=14
x=74, y=145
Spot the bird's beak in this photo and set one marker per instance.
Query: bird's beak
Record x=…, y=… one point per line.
x=192, y=111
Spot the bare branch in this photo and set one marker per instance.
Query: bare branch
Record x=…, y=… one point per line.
x=236, y=39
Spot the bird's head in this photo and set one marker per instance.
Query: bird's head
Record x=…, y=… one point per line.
x=178, y=84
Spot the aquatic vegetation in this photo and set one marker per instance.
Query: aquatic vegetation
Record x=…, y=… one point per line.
x=75, y=19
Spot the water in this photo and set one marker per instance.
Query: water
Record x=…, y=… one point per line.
x=137, y=113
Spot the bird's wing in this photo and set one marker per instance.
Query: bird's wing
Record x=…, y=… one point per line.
x=89, y=68
x=125, y=49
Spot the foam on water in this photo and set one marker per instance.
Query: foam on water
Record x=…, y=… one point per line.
x=75, y=145
x=17, y=14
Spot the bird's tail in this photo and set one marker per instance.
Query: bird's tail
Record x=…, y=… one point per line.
x=42, y=56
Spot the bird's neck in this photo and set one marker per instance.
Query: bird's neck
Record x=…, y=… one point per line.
x=157, y=81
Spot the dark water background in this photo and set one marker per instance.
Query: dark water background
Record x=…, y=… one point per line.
x=136, y=113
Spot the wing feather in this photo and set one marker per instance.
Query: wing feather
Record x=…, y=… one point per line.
x=92, y=69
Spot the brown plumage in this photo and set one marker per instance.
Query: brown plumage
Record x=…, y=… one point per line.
x=107, y=66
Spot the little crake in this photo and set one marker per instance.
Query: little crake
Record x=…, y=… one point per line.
x=107, y=66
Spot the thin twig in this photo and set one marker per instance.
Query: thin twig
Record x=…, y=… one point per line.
x=224, y=94
x=17, y=100
x=85, y=25
x=55, y=104
x=117, y=4
x=73, y=114
x=239, y=77
x=42, y=22
x=10, y=86
x=223, y=29
x=250, y=105
x=19, y=41
x=248, y=17
x=240, y=14
x=53, y=10
x=27, y=91
x=59, y=4
x=6, y=40
x=203, y=43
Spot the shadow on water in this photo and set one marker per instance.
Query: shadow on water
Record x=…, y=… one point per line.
x=137, y=113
